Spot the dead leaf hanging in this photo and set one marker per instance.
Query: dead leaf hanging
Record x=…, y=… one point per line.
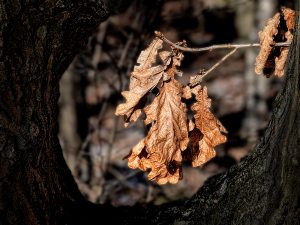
x=271, y=60
x=289, y=17
x=167, y=138
x=144, y=77
x=208, y=130
x=161, y=149
x=280, y=61
x=266, y=37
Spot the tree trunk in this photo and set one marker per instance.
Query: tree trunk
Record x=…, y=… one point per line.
x=38, y=42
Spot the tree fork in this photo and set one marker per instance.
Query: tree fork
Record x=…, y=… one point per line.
x=37, y=43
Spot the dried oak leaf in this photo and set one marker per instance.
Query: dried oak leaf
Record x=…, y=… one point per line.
x=144, y=77
x=137, y=157
x=161, y=150
x=165, y=57
x=266, y=37
x=280, y=61
x=208, y=130
x=289, y=17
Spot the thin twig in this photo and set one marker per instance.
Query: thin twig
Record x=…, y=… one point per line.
x=123, y=57
x=212, y=47
x=112, y=141
x=98, y=48
x=200, y=76
x=125, y=51
x=218, y=63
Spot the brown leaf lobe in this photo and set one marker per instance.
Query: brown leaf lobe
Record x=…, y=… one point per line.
x=208, y=131
x=143, y=78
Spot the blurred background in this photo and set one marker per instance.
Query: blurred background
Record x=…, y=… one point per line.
x=94, y=140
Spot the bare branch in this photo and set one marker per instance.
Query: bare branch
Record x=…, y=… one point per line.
x=212, y=47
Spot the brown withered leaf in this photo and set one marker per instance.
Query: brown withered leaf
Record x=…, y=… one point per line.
x=148, y=56
x=272, y=60
x=165, y=57
x=266, y=37
x=137, y=157
x=280, y=61
x=289, y=17
x=208, y=131
x=144, y=77
x=167, y=138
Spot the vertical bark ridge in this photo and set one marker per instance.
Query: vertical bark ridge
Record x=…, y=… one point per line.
x=38, y=40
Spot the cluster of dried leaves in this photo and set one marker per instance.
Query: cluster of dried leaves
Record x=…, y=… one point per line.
x=172, y=137
x=279, y=28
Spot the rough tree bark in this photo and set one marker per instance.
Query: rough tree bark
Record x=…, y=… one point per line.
x=38, y=41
